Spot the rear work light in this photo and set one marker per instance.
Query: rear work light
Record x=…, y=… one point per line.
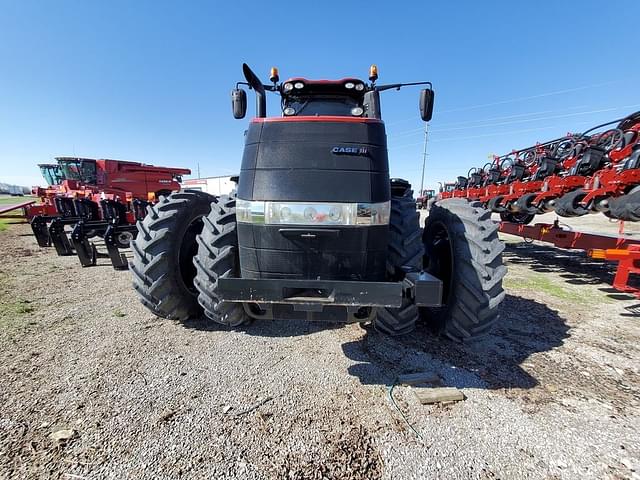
x=312, y=213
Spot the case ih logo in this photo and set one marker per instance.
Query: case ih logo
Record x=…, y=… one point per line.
x=362, y=151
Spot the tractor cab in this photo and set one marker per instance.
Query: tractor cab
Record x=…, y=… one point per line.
x=81, y=171
x=52, y=173
x=323, y=97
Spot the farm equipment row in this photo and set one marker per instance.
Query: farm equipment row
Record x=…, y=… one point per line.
x=87, y=199
x=597, y=171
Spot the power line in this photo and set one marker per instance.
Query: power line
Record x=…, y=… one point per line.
x=551, y=117
x=481, y=136
x=480, y=120
x=531, y=97
x=514, y=100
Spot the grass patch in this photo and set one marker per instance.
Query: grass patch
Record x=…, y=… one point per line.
x=12, y=308
x=542, y=283
x=119, y=314
x=5, y=222
x=9, y=200
x=23, y=306
x=12, y=312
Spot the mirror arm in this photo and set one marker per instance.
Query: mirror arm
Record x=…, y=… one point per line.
x=270, y=88
x=397, y=86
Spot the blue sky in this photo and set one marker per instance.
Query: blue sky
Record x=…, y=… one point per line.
x=150, y=80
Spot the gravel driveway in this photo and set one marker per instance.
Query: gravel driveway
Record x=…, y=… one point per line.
x=552, y=393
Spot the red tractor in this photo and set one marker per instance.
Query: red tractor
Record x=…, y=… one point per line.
x=422, y=201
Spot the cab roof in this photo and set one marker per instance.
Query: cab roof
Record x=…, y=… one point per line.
x=308, y=81
x=320, y=87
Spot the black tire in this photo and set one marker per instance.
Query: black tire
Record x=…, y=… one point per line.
x=218, y=257
x=162, y=266
x=625, y=207
x=463, y=250
x=124, y=239
x=568, y=205
x=494, y=205
x=405, y=252
x=522, y=218
x=525, y=204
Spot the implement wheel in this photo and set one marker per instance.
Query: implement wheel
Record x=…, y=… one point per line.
x=522, y=218
x=626, y=207
x=463, y=250
x=163, y=251
x=217, y=258
x=405, y=253
x=525, y=204
x=568, y=205
x=495, y=206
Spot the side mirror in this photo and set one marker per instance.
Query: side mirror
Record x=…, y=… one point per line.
x=239, y=103
x=426, y=104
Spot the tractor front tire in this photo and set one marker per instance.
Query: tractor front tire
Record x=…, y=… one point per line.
x=462, y=249
x=218, y=258
x=405, y=252
x=162, y=266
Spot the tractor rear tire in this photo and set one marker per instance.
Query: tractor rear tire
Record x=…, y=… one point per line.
x=462, y=249
x=405, y=253
x=163, y=251
x=218, y=258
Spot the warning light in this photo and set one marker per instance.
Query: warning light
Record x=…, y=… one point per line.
x=274, y=77
x=373, y=73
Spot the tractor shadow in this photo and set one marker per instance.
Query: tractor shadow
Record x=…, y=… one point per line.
x=525, y=327
x=574, y=266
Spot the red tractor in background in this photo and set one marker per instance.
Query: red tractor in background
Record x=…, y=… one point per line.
x=422, y=201
x=101, y=198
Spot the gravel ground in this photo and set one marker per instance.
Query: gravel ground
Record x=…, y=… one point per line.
x=552, y=393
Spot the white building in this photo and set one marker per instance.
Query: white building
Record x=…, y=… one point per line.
x=211, y=185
